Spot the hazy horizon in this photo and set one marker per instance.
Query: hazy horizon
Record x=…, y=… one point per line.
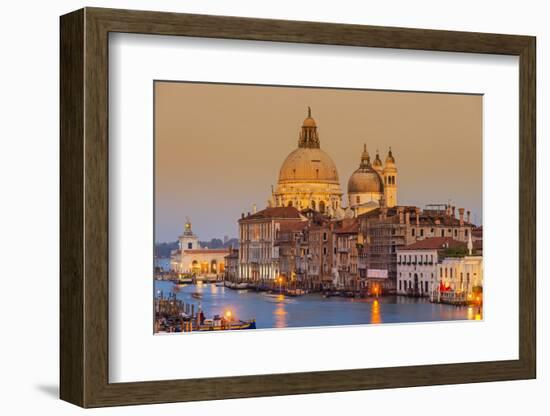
x=219, y=147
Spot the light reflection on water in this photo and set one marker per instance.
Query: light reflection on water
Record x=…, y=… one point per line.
x=279, y=311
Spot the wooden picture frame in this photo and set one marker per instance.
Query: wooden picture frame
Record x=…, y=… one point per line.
x=84, y=207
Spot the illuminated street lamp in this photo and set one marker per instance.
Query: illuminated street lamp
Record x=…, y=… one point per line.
x=280, y=279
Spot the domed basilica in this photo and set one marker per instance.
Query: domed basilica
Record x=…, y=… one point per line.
x=309, y=179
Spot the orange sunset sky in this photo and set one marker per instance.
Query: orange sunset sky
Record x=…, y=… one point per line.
x=219, y=147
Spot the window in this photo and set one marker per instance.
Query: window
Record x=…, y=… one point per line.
x=442, y=233
x=456, y=232
x=400, y=285
x=425, y=286
x=412, y=232
x=466, y=232
x=325, y=251
x=189, y=246
x=358, y=199
x=422, y=232
x=324, y=236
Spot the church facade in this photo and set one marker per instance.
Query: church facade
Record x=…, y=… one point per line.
x=308, y=179
x=191, y=258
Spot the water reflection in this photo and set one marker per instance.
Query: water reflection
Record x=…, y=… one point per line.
x=375, y=316
x=280, y=311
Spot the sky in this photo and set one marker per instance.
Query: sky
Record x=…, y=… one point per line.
x=219, y=147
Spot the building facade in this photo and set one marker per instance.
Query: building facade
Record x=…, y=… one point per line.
x=417, y=265
x=232, y=265
x=258, y=253
x=387, y=230
x=347, y=255
x=191, y=258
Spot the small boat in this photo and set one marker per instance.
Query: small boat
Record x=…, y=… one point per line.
x=218, y=325
x=196, y=295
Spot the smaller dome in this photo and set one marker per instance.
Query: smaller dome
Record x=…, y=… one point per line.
x=365, y=181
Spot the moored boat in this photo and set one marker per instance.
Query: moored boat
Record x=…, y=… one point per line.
x=221, y=325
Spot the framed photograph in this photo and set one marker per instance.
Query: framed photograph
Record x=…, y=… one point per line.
x=254, y=207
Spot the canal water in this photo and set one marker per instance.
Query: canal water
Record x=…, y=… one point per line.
x=279, y=311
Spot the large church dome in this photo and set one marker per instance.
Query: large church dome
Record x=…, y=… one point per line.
x=308, y=177
x=308, y=165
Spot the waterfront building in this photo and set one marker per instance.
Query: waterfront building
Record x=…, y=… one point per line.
x=191, y=258
x=417, y=264
x=232, y=265
x=388, y=229
x=308, y=177
x=258, y=258
x=346, y=255
x=287, y=249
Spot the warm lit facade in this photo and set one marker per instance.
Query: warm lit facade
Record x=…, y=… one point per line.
x=389, y=229
x=232, y=265
x=258, y=255
x=418, y=263
x=346, y=255
x=191, y=258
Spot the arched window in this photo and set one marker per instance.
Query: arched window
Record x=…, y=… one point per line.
x=313, y=204
x=317, y=173
x=358, y=199
x=289, y=203
x=322, y=207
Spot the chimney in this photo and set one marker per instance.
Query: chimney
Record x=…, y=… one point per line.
x=454, y=212
x=242, y=214
x=417, y=215
x=407, y=217
x=400, y=211
x=248, y=214
x=384, y=212
x=253, y=208
x=468, y=216
x=461, y=216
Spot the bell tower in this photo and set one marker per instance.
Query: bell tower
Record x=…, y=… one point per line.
x=390, y=180
x=188, y=240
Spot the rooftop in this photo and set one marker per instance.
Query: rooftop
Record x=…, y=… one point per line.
x=433, y=243
x=275, y=212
